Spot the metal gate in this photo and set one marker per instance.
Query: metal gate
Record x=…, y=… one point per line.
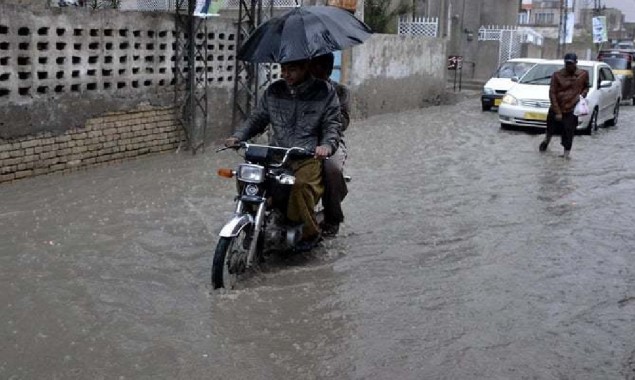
x=509, y=40
x=509, y=45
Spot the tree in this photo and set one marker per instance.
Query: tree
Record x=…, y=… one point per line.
x=379, y=17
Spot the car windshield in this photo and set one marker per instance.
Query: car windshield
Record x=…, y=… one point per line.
x=513, y=69
x=541, y=74
x=617, y=63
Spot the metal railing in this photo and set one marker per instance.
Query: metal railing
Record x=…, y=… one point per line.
x=494, y=33
x=418, y=26
x=235, y=4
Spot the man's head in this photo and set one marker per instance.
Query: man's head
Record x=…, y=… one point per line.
x=322, y=66
x=570, y=62
x=295, y=72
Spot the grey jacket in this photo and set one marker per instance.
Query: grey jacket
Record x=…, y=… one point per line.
x=306, y=116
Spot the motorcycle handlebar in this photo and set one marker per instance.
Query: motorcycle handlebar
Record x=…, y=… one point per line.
x=293, y=152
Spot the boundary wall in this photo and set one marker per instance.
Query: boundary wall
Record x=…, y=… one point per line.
x=81, y=87
x=391, y=73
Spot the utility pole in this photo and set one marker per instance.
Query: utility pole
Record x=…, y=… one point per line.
x=597, y=11
x=563, y=27
x=561, y=24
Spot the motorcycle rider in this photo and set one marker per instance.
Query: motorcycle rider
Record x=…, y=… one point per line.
x=303, y=112
x=335, y=185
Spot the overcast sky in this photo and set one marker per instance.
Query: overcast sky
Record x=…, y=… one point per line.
x=626, y=6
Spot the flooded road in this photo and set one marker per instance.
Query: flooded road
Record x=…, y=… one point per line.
x=466, y=254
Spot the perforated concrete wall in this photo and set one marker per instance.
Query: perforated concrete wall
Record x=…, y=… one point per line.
x=81, y=87
x=59, y=67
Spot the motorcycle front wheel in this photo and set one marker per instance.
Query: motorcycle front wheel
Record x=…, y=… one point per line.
x=230, y=259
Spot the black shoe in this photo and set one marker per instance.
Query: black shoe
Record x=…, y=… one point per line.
x=543, y=146
x=330, y=230
x=307, y=245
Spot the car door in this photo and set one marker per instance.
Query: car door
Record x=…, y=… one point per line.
x=616, y=87
x=608, y=95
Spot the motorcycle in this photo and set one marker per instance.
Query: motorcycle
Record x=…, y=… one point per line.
x=259, y=223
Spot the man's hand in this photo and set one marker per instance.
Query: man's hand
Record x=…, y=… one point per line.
x=231, y=141
x=558, y=117
x=322, y=152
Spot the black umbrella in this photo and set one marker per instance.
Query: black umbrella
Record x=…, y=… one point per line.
x=302, y=33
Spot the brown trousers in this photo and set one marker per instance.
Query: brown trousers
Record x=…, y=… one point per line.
x=305, y=194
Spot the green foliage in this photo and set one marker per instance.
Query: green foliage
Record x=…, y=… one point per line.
x=380, y=18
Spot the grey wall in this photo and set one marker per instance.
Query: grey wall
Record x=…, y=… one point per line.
x=392, y=73
x=499, y=12
x=59, y=67
x=487, y=58
x=480, y=57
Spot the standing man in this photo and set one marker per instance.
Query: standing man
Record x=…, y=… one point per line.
x=567, y=85
x=335, y=185
x=303, y=112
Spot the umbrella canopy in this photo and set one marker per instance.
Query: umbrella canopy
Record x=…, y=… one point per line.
x=303, y=33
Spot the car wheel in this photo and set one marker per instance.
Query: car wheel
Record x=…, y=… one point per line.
x=504, y=126
x=486, y=107
x=633, y=99
x=593, y=122
x=616, y=114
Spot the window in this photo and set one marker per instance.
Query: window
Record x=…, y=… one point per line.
x=606, y=74
x=544, y=18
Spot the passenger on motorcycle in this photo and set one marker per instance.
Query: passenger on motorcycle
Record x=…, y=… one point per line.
x=335, y=188
x=303, y=112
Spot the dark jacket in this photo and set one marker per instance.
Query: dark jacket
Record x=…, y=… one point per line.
x=306, y=115
x=345, y=103
x=565, y=89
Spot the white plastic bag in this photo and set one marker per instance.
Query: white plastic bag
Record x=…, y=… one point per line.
x=581, y=108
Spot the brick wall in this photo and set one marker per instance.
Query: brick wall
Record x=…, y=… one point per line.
x=112, y=137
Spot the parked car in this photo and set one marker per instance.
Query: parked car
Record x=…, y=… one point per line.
x=501, y=81
x=526, y=104
x=621, y=61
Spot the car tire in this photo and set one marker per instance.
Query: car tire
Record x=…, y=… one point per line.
x=633, y=100
x=486, y=107
x=505, y=126
x=593, y=123
x=616, y=114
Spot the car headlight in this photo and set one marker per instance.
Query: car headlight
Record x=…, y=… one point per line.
x=509, y=99
x=251, y=173
x=488, y=91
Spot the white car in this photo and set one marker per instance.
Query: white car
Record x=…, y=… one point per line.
x=526, y=104
x=501, y=81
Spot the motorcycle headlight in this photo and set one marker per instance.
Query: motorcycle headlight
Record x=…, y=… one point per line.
x=488, y=91
x=509, y=99
x=251, y=173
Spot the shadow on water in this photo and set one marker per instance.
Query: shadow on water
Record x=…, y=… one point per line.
x=526, y=130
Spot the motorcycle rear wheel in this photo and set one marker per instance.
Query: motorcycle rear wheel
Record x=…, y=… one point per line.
x=230, y=259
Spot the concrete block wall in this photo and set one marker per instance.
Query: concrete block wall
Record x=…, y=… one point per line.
x=61, y=66
x=81, y=87
x=393, y=73
x=109, y=138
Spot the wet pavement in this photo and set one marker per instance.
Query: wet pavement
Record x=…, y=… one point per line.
x=466, y=254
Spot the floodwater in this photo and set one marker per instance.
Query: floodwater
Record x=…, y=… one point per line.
x=466, y=254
